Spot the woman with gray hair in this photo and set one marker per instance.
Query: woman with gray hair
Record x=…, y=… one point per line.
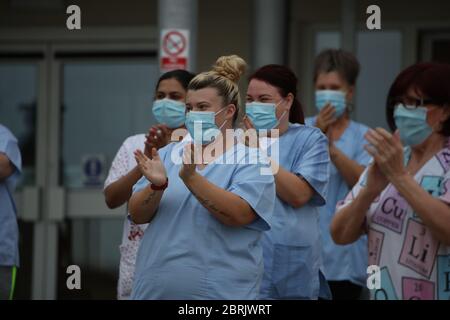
x=335, y=77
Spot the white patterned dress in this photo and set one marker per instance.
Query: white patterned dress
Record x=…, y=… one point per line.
x=414, y=264
x=123, y=163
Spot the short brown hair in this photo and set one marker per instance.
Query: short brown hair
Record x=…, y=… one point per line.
x=343, y=62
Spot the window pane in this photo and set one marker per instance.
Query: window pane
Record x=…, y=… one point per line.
x=380, y=55
x=103, y=103
x=18, y=111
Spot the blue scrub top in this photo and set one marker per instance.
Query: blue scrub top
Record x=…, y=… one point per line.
x=349, y=262
x=186, y=253
x=9, y=233
x=292, y=247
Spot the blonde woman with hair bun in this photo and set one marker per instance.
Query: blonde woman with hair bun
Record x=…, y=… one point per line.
x=205, y=219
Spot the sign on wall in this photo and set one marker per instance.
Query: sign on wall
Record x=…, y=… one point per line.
x=174, y=49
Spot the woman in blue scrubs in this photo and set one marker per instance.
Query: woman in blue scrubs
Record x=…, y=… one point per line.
x=299, y=157
x=335, y=77
x=10, y=171
x=205, y=219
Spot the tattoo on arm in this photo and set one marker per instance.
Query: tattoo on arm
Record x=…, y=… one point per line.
x=148, y=199
x=209, y=205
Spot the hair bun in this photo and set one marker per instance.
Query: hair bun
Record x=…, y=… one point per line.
x=231, y=67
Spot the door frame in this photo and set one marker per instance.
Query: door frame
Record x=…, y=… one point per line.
x=47, y=203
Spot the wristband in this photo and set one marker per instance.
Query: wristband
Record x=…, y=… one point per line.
x=162, y=187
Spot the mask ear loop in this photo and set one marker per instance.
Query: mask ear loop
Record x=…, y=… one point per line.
x=282, y=115
x=218, y=112
x=441, y=124
x=350, y=106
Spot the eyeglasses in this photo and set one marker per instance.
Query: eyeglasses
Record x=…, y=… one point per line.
x=411, y=103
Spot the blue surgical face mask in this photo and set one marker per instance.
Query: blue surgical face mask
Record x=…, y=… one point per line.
x=263, y=115
x=202, y=126
x=333, y=97
x=412, y=124
x=170, y=112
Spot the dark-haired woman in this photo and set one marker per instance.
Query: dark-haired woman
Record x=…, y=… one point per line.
x=169, y=110
x=335, y=75
x=300, y=162
x=402, y=200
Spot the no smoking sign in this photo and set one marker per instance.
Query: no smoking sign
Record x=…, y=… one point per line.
x=174, y=49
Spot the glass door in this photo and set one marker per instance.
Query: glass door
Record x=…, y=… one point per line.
x=103, y=101
x=71, y=112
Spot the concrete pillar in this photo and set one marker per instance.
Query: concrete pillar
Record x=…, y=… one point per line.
x=348, y=25
x=180, y=14
x=269, y=32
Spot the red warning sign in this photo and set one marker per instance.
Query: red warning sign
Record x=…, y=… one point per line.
x=174, y=43
x=174, y=49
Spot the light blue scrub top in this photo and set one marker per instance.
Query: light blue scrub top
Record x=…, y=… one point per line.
x=186, y=253
x=292, y=247
x=9, y=233
x=349, y=262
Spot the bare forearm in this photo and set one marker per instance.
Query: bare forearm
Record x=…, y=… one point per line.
x=119, y=192
x=144, y=204
x=227, y=207
x=292, y=189
x=6, y=168
x=349, y=169
x=434, y=213
x=348, y=223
